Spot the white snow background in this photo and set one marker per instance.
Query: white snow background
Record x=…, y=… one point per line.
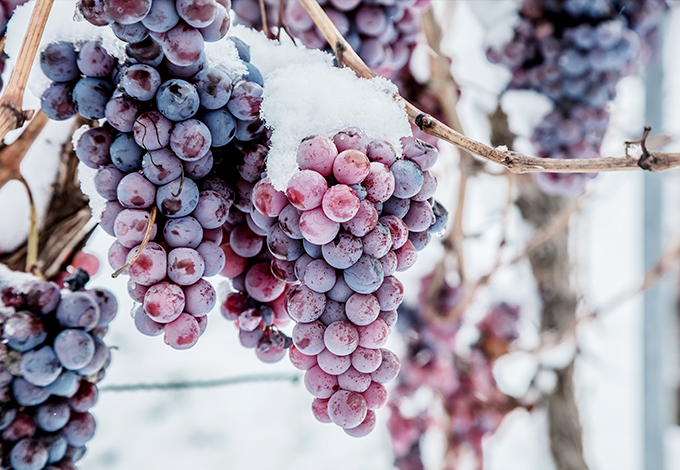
x=270, y=425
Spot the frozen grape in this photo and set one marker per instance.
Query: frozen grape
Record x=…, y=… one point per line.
x=389, y=368
x=126, y=155
x=340, y=203
x=130, y=227
x=351, y=138
x=185, y=266
x=347, y=409
x=127, y=11
x=57, y=103
x=40, y=367
x=136, y=192
x=343, y=251
x=58, y=61
x=164, y=302
x=282, y=246
x=319, y=383
x=317, y=153
x=78, y=310
x=351, y=167
x=219, y=26
x=408, y=178
x=213, y=256
x=317, y=228
x=121, y=111
x=365, y=276
x=93, y=147
x=177, y=100
x=74, y=348
x=245, y=100
x=130, y=33
x=309, y=337
x=150, y=266
x=152, y=130
x=190, y=140
x=141, y=81
x=364, y=221
x=304, y=305
x=94, y=61
x=161, y=166
x=162, y=16
x=306, y=190
x=268, y=200
x=332, y=364
x=200, y=298
x=381, y=151
x=262, y=285
x=222, y=126
x=362, y=309
x=341, y=338
x=90, y=96
x=178, y=198
x=182, y=333
x=319, y=276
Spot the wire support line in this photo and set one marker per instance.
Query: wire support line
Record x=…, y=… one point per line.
x=241, y=379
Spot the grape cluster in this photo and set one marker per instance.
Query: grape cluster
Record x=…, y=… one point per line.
x=474, y=404
x=574, y=52
x=165, y=117
x=51, y=359
x=325, y=251
x=382, y=32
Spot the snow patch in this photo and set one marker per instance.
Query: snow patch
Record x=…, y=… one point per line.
x=325, y=100
x=97, y=203
x=514, y=373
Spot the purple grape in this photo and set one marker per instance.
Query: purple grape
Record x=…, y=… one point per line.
x=182, y=45
x=52, y=416
x=141, y=81
x=146, y=51
x=190, y=140
x=94, y=61
x=57, y=103
x=185, y=266
x=78, y=310
x=365, y=276
x=162, y=16
x=152, y=130
x=28, y=454
x=93, y=147
x=74, y=348
x=219, y=26
x=126, y=155
x=127, y=11
x=183, y=232
x=121, y=111
x=161, y=166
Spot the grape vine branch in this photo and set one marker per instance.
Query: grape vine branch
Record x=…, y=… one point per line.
x=513, y=161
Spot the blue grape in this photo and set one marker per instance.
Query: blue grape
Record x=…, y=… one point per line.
x=365, y=276
x=55, y=445
x=126, y=155
x=28, y=454
x=186, y=72
x=27, y=394
x=52, y=416
x=197, y=169
x=66, y=385
x=58, y=61
x=222, y=126
x=106, y=181
x=90, y=96
x=57, y=102
x=242, y=48
x=175, y=203
x=177, y=99
x=40, y=367
x=214, y=88
x=253, y=75
x=74, y=348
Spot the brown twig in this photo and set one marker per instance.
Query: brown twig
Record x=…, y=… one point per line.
x=147, y=237
x=12, y=155
x=263, y=14
x=33, y=235
x=513, y=161
x=11, y=114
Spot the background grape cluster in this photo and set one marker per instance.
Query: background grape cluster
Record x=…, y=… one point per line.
x=53, y=355
x=383, y=33
x=574, y=52
x=466, y=385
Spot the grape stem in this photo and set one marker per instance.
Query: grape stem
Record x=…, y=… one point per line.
x=513, y=161
x=284, y=377
x=11, y=114
x=145, y=241
x=263, y=14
